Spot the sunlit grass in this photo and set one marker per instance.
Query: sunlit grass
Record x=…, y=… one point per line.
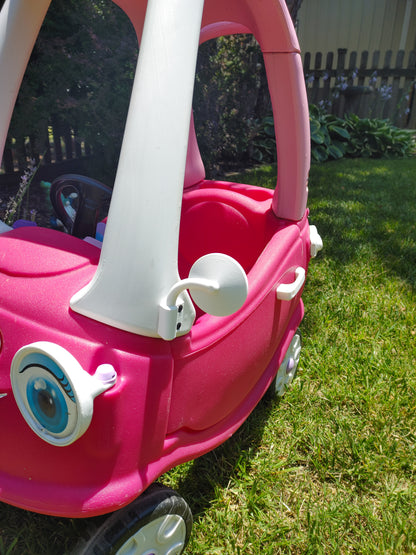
x=332, y=467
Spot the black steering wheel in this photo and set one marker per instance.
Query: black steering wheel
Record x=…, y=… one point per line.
x=80, y=202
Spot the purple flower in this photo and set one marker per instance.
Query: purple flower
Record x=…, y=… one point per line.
x=385, y=92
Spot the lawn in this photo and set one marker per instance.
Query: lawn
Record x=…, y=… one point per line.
x=331, y=468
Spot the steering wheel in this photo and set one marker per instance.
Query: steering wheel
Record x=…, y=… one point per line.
x=79, y=202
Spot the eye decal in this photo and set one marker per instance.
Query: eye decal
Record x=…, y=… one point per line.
x=54, y=393
x=57, y=373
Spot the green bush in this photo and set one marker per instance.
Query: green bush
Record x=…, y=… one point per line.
x=328, y=135
x=262, y=141
x=231, y=98
x=333, y=137
x=376, y=138
x=80, y=79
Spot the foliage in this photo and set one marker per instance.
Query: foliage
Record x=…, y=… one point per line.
x=294, y=7
x=79, y=77
x=262, y=143
x=12, y=212
x=328, y=135
x=333, y=137
x=230, y=100
x=375, y=138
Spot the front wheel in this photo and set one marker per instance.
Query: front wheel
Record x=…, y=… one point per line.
x=159, y=522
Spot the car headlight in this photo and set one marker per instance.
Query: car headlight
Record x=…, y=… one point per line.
x=54, y=393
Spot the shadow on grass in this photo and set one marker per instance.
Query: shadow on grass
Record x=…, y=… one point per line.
x=371, y=205
x=213, y=471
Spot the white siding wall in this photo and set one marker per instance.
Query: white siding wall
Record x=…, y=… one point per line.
x=326, y=25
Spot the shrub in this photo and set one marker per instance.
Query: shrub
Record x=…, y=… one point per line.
x=262, y=141
x=376, y=138
x=231, y=98
x=328, y=135
x=333, y=137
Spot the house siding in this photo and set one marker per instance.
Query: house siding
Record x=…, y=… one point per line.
x=326, y=25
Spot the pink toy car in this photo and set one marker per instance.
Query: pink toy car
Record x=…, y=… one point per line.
x=122, y=359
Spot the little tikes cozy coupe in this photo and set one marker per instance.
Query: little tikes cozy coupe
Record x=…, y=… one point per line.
x=122, y=359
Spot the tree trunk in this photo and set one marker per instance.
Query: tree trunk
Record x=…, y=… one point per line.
x=294, y=6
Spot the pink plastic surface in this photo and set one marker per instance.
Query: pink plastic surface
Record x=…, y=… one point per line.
x=175, y=400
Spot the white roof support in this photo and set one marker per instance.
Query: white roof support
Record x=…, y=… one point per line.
x=138, y=264
x=20, y=21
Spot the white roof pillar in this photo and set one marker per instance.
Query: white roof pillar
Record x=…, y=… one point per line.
x=138, y=263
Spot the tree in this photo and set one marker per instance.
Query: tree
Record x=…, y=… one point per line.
x=294, y=6
x=79, y=77
x=231, y=97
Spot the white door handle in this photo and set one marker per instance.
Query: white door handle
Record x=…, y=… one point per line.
x=288, y=291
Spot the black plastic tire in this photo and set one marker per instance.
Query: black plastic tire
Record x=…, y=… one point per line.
x=158, y=522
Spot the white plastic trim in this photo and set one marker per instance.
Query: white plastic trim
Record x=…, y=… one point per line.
x=164, y=535
x=4, y=227
x=169, y=310
x=288, y=291
x=218, y=285
x=316, y=241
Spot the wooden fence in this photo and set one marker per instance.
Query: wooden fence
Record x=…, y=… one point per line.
x=362, y=84
x=368, y=86
x=61, y=146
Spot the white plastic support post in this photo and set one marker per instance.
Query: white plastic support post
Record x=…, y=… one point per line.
x=138, y=263
x=20, y=22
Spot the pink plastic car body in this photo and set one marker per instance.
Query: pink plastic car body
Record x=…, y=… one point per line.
x=152, y=400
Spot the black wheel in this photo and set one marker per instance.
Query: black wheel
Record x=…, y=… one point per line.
x=287, y=370
x=79, y=202
x=159, y=522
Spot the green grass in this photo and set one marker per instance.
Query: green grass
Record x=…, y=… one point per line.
x=331, y=468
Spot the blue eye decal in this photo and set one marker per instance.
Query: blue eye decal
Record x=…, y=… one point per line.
x=48, y=393
x=42, y=361
x=47, y=404
x=53, y=392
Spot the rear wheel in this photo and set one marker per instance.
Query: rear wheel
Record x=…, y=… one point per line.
x=159, y=522
x=288, y=368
